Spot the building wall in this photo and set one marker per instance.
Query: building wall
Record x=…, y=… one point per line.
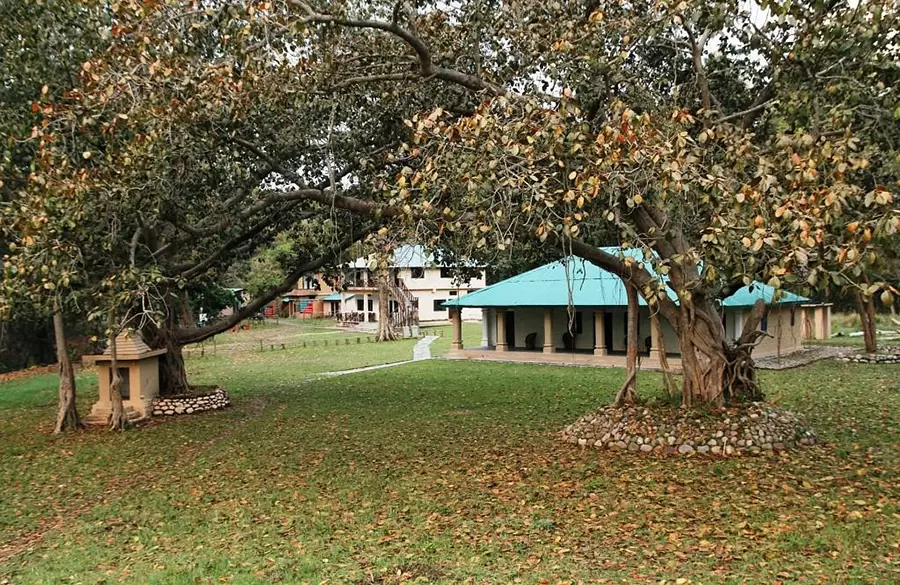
x=786, y=329
x=817, y=321
x=430, y=290
x=432, y=287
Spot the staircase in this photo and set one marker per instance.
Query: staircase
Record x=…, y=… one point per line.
x=407, y=313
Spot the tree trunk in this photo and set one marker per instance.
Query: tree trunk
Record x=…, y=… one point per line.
x=186, y=319
x=628, y=391
x=117, y=418
x=385, y=331
x=703, y=352
x=669, y=383
x=67, y=416
x=713, y=372
x=740, y=373
x=865, y=306
x=172, y=375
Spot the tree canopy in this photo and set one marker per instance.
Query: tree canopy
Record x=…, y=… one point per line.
x=729, y=141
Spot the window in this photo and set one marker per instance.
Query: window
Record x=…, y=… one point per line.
x=446, y=272
x=453, y=293
x=438, y=305
x=360, y=306
x=371, y=305
x=764, y=324
x=310, y=283
x=417, y=272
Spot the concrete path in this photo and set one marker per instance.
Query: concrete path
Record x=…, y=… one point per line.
x=421, y=351
x=808, y=355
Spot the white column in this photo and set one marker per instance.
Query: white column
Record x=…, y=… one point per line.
x=738, y=324
x=485, y=327
x=548, y=331
x=366, y=308
x=501, y=330
x=600, y=333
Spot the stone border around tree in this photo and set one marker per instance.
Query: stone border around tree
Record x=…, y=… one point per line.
x=749, y=429
x=888, y=354
x=175, y=405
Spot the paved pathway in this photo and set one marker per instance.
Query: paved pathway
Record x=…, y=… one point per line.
x=808, y=355
x=421, y=351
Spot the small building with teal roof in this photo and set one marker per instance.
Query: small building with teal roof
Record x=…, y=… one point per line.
x=572, y=311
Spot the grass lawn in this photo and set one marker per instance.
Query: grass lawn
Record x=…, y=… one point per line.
x=441, y=472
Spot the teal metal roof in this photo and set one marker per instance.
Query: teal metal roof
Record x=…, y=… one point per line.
x=332, y=297
x=590, y=286
x=748, y=295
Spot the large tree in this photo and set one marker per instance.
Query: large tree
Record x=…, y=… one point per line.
x=693, y=129
x=143, y=158
x=688, y=130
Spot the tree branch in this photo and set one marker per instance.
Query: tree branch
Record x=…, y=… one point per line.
x=375, y=78
x=632, y=272
x=762, y=100
x=189, y=272
x=427, y=68
x=345, y=202
x=198, y=334
x=697, y=46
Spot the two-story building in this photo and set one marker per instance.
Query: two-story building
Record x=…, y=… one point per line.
x=419, y=280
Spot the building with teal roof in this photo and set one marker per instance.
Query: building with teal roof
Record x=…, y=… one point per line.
x=572, y=311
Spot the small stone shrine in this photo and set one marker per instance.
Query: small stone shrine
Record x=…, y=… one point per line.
x=138, y=367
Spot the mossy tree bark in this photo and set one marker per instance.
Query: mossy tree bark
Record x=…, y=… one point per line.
x=117, y=418
x=67, y=416
x=383, y=276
